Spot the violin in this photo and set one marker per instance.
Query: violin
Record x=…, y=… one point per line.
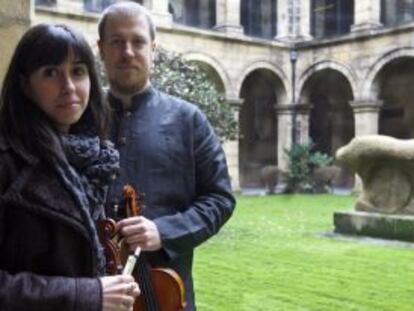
x=161, y=288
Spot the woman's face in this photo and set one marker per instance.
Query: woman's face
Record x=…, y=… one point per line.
x=61, y=91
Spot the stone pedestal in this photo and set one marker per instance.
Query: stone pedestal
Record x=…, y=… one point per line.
x=385, y=207
x=395, y=227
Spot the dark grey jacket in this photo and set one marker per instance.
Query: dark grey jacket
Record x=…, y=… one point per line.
x=169, y=152
x=45, y=251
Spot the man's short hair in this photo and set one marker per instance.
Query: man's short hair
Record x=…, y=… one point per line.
x=128, y=9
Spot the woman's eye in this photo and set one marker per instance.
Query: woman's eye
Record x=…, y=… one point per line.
x=50, y=72
x=80, y=70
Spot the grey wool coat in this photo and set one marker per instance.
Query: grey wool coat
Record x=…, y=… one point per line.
x=46, y=256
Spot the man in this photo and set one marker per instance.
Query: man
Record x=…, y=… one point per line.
x=168, y=151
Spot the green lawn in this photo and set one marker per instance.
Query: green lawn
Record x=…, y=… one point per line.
x=273, y=255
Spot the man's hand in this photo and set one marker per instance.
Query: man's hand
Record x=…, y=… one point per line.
x=142, y=232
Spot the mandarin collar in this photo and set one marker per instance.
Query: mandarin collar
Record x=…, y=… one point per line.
x=136, y=99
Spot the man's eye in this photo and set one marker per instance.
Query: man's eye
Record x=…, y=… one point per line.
x=115, y=42
x=139, y=42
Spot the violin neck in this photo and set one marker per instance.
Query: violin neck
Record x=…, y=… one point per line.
x=143, y=274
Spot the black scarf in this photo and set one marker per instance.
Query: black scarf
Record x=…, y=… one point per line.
x=86, y=171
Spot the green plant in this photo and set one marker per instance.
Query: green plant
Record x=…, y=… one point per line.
x=178, y=77
x=302, y=161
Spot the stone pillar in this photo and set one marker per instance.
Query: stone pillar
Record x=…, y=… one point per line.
x=367, y=15
x=15, y=19
x=366, y=113
x=284, y=134
x=231, y=147
x=302, y=122
x=159, y=11
x=305, y=20
x=293, y=20
x=228, y=16
x=282, y=20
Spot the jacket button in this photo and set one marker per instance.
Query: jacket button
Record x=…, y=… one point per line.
x=122, y=140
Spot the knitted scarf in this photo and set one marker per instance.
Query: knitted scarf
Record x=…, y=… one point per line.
x=86, y=172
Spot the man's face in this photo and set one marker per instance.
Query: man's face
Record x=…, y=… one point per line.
x=127, y=51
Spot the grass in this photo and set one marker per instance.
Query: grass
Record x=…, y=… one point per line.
x=273, y=255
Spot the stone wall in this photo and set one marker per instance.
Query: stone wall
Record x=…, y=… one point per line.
x=15, y=18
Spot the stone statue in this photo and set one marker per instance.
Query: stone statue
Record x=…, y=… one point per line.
x=386, y=168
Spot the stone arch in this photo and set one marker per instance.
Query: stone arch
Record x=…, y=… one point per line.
x=347, y=72
x=390, y=81
x=277, y=71
x=216, y=66
x=261, y=90
x=370, y=87
x=328, y=88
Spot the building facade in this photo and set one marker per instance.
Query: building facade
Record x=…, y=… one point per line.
x=294, y=70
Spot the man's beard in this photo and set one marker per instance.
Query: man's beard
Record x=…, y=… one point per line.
x=127, y=89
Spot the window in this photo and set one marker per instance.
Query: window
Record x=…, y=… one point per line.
x=397, y=12
x=259, y=18
x=331, y=17
x=46, y=2
x=196, y=13
x=96, y=5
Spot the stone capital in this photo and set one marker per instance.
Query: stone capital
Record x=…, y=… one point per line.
x=290, y=108
x=234, y=102
x=366, y=105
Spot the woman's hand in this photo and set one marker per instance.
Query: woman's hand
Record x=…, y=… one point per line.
x=119, y=292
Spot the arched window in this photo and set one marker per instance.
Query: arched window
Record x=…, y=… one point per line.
x=195, y=13
x=397, y=12
x=331, y=17
x=259, y=18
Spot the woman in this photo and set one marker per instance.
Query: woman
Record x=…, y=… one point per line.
x=54, y=169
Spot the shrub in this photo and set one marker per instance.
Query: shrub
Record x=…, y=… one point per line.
x=178, y=77
x=302, y=161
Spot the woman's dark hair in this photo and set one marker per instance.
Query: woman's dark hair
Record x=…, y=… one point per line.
x=25, y=126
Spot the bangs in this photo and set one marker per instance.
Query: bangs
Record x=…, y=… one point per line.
x=53, y=46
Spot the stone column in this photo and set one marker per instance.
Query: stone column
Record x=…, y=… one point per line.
x=366, y=113
x=231, y=147
x=305, y=20
x=228, y=16
x=284, y=134
x=302, y=122
x=293, y=20
x=15, y=19
x=283, y=21
x=367, y=15
x=159, y=11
